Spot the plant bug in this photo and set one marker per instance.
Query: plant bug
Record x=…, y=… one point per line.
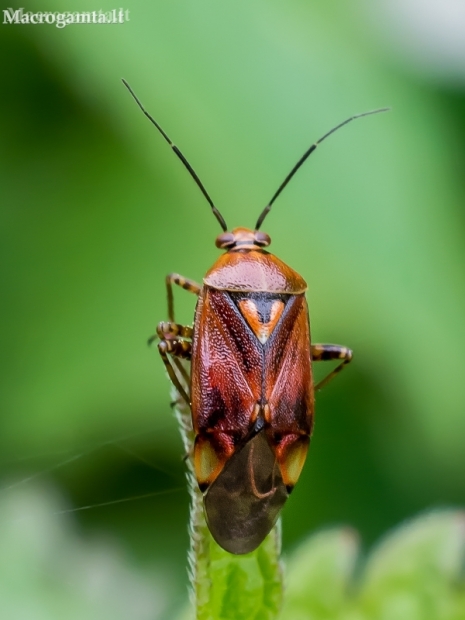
x=250, y=389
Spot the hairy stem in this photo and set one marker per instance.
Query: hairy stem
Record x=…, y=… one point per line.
x=224, y=585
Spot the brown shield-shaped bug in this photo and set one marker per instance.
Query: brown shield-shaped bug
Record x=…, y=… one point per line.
x=250, y=389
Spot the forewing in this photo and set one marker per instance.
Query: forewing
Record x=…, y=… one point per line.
x=289, y=390
x=225, y=382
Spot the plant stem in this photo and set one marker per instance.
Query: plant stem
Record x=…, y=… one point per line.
x=223, y=585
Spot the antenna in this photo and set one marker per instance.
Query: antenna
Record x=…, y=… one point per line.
x=192, y=172
x=307, y=154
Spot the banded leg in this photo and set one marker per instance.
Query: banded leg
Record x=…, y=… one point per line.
x=172, y=346
x=168, y=331
x=325, y=352
x=188, y=285
x=178, y=349
x=185, y=283
x=172, y=331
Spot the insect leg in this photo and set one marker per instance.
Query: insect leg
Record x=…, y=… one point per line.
x=170, y=328
x=171, y=331
x=177, y=349
x=174, y=330
x=324, y=352
x=168, y=331
x=185, y=283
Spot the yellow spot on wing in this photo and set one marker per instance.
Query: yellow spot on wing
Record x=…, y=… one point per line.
x=207, y=463
x=294, y=462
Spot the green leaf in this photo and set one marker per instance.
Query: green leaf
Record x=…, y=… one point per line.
x=318, y=575
x=415, y=573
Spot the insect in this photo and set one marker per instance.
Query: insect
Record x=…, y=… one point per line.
x=250, y=390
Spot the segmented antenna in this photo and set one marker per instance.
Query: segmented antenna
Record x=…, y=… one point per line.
x=307, y=154
x=191, y=171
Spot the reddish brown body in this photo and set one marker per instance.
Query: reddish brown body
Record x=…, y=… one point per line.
x=251, y=387
x=251, y=375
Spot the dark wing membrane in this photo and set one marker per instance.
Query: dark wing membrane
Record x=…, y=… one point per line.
x=243, y=503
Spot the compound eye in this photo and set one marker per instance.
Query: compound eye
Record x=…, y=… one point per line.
x=225, y=240
x=262, y=239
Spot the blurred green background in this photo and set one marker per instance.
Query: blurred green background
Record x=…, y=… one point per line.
x=96, y=210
